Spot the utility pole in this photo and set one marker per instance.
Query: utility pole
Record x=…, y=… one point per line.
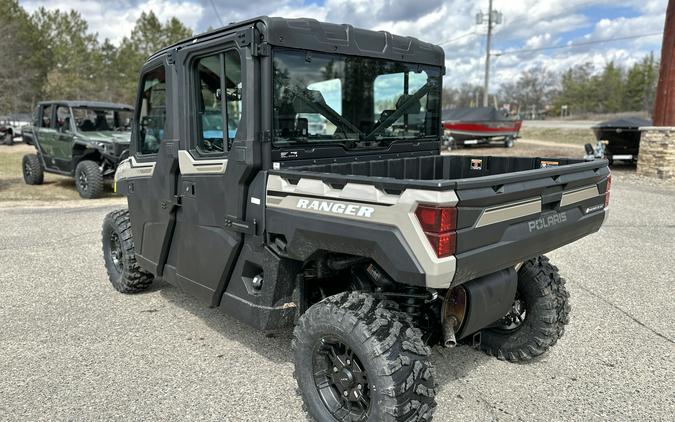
x=487, y=57
x=493, y=18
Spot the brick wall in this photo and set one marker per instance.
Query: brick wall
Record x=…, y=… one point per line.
x=657, y=153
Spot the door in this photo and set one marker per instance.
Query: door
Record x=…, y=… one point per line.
x=62, y=146
x=150, y=186
x=45, y=135
x=205, y=246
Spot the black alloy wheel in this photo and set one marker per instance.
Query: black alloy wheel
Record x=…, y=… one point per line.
x=27, y=170
x=82, y=182
x=341, y=380
x=516, y=316
x=116, y=253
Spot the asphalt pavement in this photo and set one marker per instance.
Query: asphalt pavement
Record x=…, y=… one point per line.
x=72, y=348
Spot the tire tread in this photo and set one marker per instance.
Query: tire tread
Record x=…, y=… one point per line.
x=396, y=347
x=94, y=179
x=133, y=278
x=552, y=314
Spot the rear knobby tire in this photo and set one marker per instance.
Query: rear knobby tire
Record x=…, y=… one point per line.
x=31, y=167
x=386, y=345
x=8, y=139
x=547, y=308
x=124, y=273
x=88, y=179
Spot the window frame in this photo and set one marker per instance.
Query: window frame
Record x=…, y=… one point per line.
x=194, y=87
x=138, y=107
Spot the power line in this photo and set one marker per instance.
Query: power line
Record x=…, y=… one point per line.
x=215, y=9
x=581, y=44
x=457, y=38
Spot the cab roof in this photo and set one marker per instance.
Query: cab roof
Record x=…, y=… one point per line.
x=311, y=34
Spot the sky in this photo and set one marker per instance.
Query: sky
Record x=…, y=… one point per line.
x=527, y=25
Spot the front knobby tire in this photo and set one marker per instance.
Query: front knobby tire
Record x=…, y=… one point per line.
x=358, y=358
x=88, y=179
x=125, y=275
x=538, y=318
x=31, y=167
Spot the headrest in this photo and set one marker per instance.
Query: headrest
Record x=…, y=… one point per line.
x=413, y=109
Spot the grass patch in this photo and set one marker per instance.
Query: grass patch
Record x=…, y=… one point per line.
x=13, y=188
x=565, y=136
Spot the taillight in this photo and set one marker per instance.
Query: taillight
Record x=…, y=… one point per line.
x=439, y=225
x=609, y=186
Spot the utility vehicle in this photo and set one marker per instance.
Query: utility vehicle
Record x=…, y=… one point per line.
x=10, y=127
x=82, y=139
x=360, y=234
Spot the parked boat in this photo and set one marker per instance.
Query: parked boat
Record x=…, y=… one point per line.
x=619, y=139
x=479, y=125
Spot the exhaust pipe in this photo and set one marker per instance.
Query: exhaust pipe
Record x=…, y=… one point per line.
x=452, y=315
x=449, y=325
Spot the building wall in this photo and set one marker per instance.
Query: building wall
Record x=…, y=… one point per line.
x=657, y=153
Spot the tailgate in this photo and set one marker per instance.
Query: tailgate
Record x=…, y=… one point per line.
x=504, y=221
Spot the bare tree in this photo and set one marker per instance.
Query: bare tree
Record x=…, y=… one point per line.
x=534, y=89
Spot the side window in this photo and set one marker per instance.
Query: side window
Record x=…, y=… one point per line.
x=219, y=101
x=152, y=111
x=62, y=122
x=46, y=116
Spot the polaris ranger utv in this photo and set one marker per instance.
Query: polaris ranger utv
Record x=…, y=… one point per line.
x=82, y=139
x=355, y=231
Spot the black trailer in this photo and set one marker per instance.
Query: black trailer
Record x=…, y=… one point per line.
x=618, y=139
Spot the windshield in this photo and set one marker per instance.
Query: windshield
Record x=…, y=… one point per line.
x=101, y=119
x=353, y=101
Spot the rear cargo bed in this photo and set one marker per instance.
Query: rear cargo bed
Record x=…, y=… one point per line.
x=509, y=209
x=442, y=172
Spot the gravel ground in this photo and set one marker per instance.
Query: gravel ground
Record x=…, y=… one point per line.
x=71, y=348
x=523, y=148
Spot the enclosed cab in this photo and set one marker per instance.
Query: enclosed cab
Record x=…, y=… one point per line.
x=289, y=172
